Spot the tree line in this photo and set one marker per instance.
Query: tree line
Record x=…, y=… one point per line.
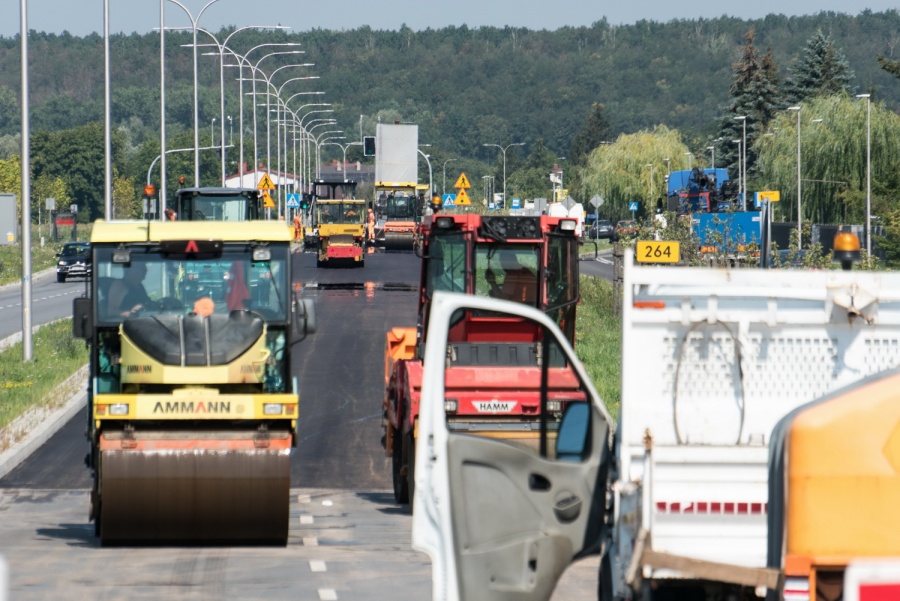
x=568, y=94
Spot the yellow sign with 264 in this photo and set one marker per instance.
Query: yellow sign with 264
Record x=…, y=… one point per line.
x=657, y=251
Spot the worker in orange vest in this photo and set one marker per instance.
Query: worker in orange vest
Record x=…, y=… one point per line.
x=370, y=226
x=298, y=227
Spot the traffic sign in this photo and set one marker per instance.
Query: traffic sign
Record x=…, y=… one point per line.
x=516, y=203
x=462, y=182
x=462, y=199
x=293, y=201
x=633, y=206
x=265, y=183
x=597, y=200
x=449, y=200
x=267, y=200
x=651, y=251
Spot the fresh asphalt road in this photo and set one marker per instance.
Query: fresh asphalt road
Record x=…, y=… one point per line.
x=49, y=300
x=348, y=540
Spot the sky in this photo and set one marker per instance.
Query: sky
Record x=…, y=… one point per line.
x=82, y=17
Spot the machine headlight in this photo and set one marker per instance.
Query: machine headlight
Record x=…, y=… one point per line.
x=262, y=254
x=451, y=405
x=118, y=409
x=444, y=223
x=567, y=225
x=554, y=406
x=273, y=409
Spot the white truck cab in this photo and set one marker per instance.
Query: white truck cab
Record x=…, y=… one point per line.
x=678, y=505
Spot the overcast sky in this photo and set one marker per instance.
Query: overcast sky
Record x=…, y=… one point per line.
x=81, y=17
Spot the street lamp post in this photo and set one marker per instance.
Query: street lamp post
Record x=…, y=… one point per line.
x=868, y=98
x=690, y=157
x=743, y=161
x=444, y=182
x=712, y=150
x=430, y=178
x=650, y=198
x=194, y=21
x=504, y=149
x=241, y=60
x=799, y=212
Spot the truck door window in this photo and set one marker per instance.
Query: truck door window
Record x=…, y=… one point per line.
x=508, y=272
x=562, y=271
x=447, y=263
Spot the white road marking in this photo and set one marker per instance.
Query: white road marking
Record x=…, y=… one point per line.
x=317, y=566
x=327, y=503
x=303, y=498
x=306, y=519
x=327, y=594
x=310, y=541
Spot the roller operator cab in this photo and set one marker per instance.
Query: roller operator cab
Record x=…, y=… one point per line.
x=192, y=408
x=218, y=204
x=399, y=210
x=495, y=377
x=501, y=520
x=339, y=224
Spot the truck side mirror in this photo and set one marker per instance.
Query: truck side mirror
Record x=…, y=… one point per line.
x=82, y=318
x=573, y=432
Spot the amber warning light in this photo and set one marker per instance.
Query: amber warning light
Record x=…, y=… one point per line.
x=149, y=190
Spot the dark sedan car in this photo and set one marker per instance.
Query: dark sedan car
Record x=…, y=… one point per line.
x=74, y=261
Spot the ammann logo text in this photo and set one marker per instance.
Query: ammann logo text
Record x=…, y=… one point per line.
x=138, y=369
x=190, y=407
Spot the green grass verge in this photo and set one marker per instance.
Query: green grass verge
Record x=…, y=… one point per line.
x=56, y=356
x=598, y=340
x=41, y=257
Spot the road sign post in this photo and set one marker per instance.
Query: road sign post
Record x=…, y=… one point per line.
x=633, y=206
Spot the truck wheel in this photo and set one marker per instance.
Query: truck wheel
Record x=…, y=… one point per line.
x=401, y=491
x=411, y=470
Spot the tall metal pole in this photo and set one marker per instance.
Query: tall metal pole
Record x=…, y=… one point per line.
x=504, y=149
x=712, y=150
x=27, y=347
x=162, y=109
x=107, y=136
x=742, y=161
x=444, y=184
x=194, y=21
x=799, y=183
x=868, y=171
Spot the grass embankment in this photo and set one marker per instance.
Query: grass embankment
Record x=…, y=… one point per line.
x=598, y=340
x=23, y=385
x=41, y=257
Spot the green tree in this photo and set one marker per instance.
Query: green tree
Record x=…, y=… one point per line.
x=126, y=204
x=593, y=134
x=621, y=172
x=77, y=157
x=755, y=96
x=822, y=70
x=892, y=67
x=48, y=186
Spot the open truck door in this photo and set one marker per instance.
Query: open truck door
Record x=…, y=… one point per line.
x=501, y=519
